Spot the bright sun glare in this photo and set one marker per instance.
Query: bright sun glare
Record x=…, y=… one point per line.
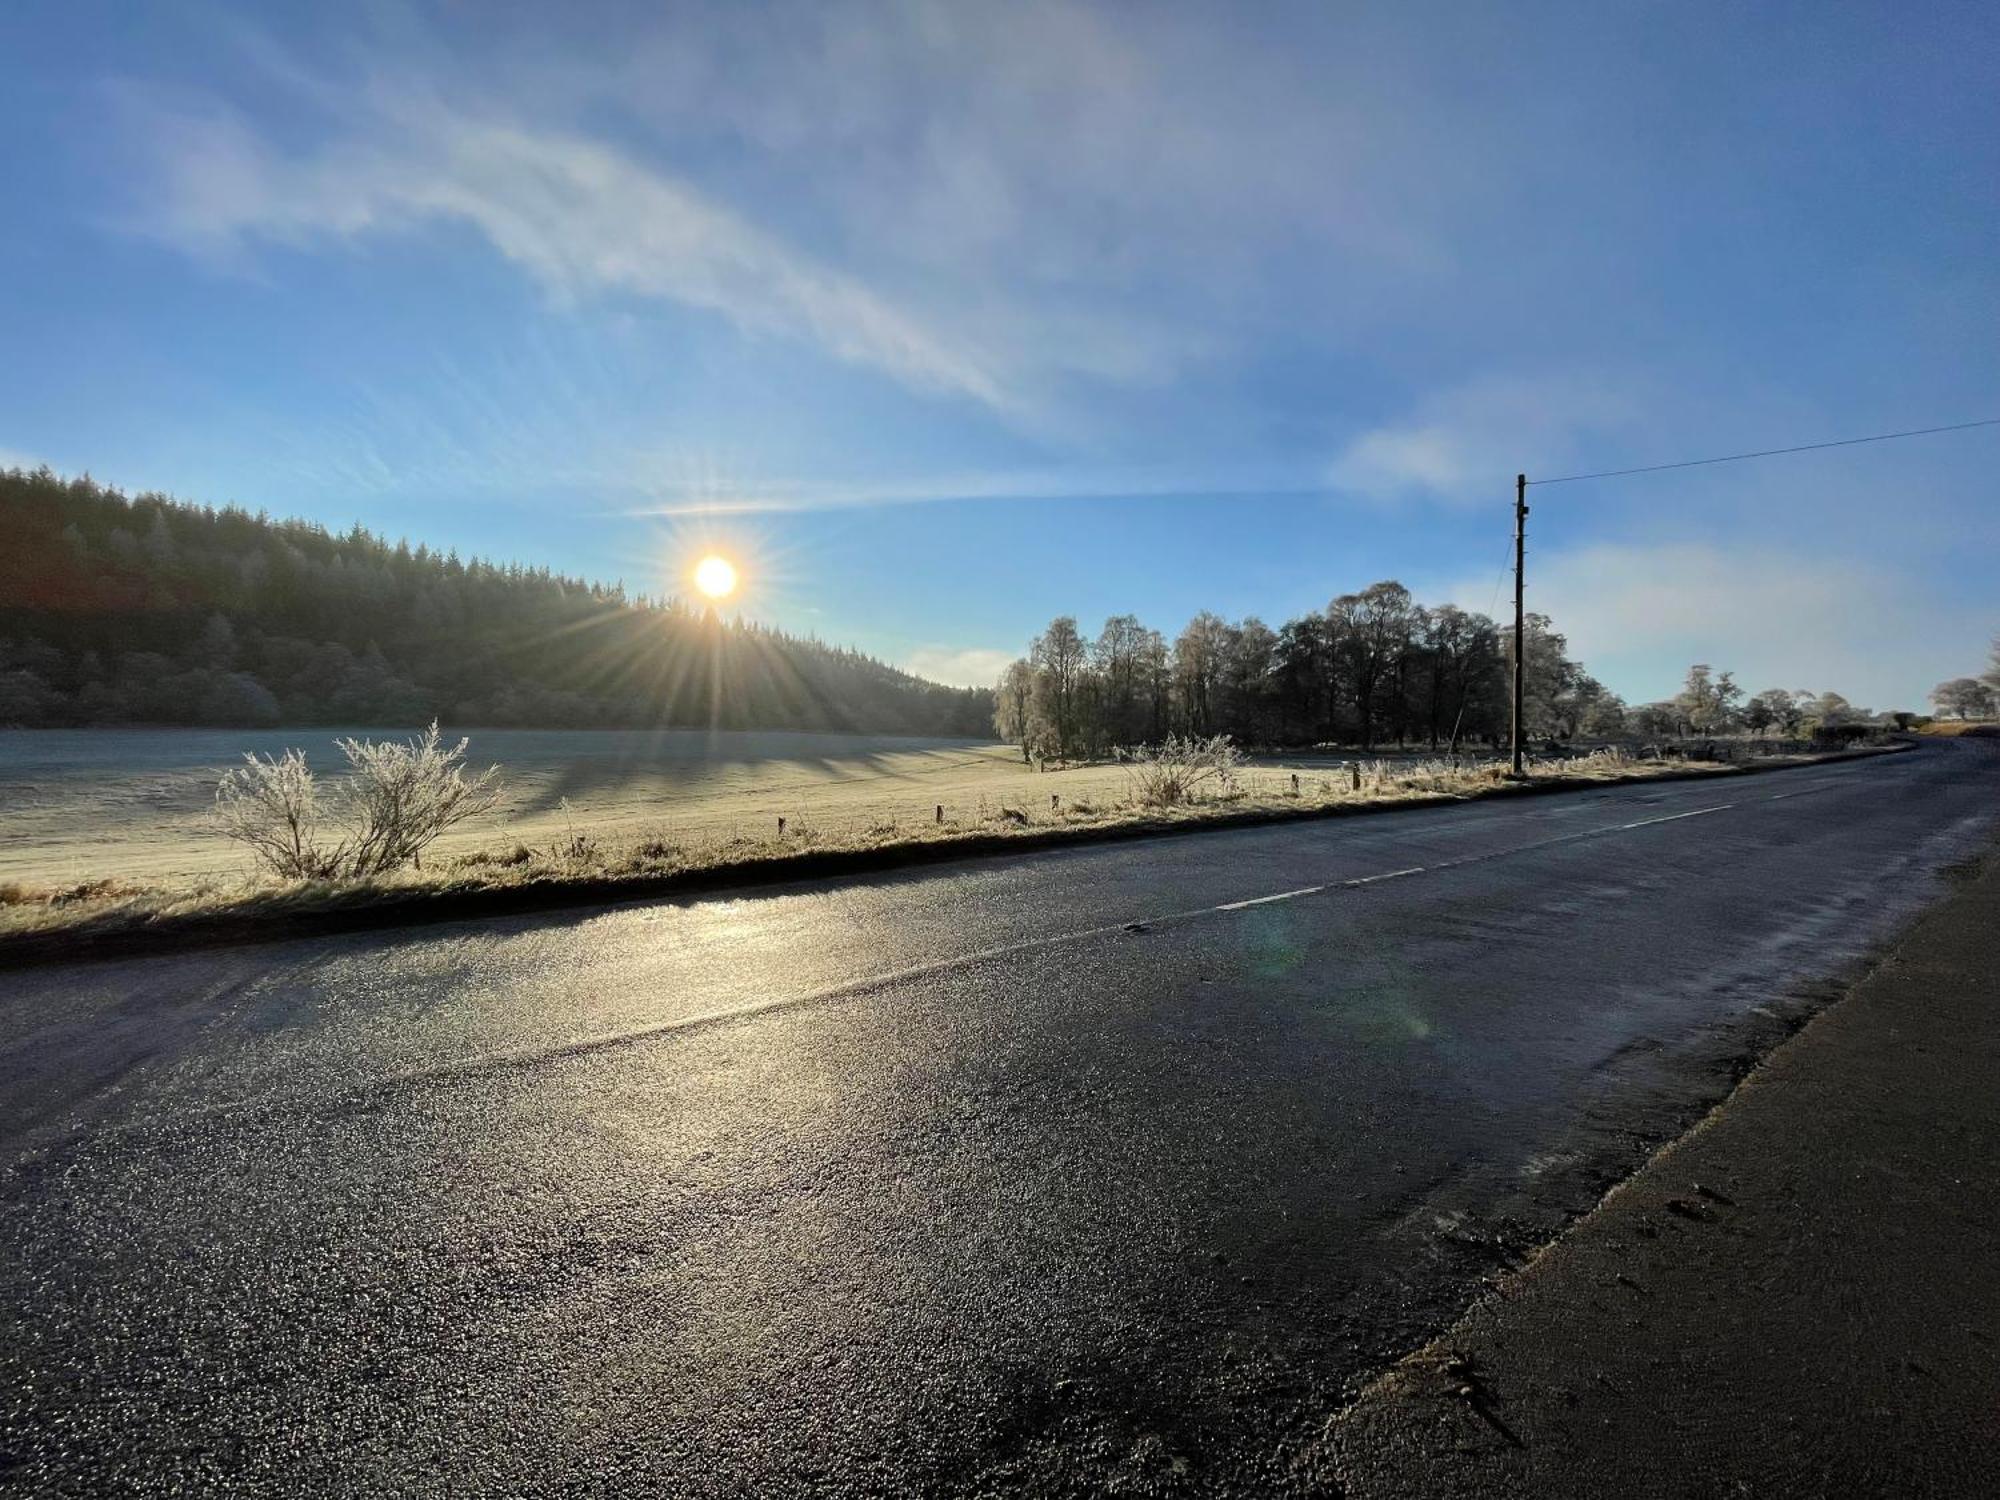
x=715, y=577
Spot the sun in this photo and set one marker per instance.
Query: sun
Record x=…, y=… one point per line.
x=715, y=577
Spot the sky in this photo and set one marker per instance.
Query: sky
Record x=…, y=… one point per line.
x=945, y=319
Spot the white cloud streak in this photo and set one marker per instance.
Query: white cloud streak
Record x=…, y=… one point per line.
x=580, y=217
x=1464, y=445
x=712, y=495
x=997, y=204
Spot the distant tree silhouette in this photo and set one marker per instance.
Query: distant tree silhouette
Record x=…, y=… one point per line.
x=1371, y=662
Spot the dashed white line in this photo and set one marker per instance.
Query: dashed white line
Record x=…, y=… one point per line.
x=1390, y=875
x=986, y=955
x=1304, y=890
x=579, y=1045
x=1676, y=817
x=1471, y=859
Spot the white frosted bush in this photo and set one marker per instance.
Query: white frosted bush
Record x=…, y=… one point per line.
x=397, y=799
x=1183, y=767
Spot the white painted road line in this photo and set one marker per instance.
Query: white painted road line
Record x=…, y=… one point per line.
x=531, y=1056
x=1304, y=890
x=1676, y=817
x=1391, y=875
x=1473, y=859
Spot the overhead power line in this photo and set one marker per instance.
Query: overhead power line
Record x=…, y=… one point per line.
x=1522, y=481
x=1730, y=458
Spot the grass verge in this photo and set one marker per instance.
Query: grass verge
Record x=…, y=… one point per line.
x=110, y=918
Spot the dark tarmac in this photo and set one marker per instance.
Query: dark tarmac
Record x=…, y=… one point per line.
x=1117, y=1170
x=1798, y=1298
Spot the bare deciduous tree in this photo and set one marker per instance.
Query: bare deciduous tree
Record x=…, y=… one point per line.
x=1059, y=660
x=1963, y=698
x=1013, y=703
x=1378, y=623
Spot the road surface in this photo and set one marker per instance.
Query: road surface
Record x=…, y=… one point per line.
x=1113, y=1169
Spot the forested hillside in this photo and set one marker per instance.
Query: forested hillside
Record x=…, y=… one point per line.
x=117, y=610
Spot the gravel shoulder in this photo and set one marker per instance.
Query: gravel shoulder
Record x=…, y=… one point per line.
x=1800, y=1297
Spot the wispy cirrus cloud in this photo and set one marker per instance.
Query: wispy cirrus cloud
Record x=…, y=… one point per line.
x=1048, y=142
x=581, y=217
x=1463, y=445
x=1013, y=208
x=715, y=494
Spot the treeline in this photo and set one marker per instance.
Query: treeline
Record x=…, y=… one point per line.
x=1710, y=703
x=117, y=610
x=1372, y=667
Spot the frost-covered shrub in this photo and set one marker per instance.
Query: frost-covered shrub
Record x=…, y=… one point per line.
x=397, y=798
x=1182, y=768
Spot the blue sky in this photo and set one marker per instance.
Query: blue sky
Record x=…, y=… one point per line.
x=949, y=318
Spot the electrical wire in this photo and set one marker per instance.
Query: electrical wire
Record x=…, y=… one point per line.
x=1730, y=458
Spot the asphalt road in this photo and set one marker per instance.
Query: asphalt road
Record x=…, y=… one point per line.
x=1114, y=1169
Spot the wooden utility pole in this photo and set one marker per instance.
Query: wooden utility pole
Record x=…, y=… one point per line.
x=1520, y=611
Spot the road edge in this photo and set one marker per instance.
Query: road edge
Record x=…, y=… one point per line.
x=1783, y=1300
x=117, y=935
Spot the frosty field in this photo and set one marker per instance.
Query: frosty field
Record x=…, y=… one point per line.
x=87, y=804
x=105, y=833
x=132, y=803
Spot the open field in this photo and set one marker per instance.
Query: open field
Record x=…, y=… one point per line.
x=101, y=848
x=133, y=804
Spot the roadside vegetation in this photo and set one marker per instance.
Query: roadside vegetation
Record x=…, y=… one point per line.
x=1182, y=784
x=394, y=803
x=1184, y=770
